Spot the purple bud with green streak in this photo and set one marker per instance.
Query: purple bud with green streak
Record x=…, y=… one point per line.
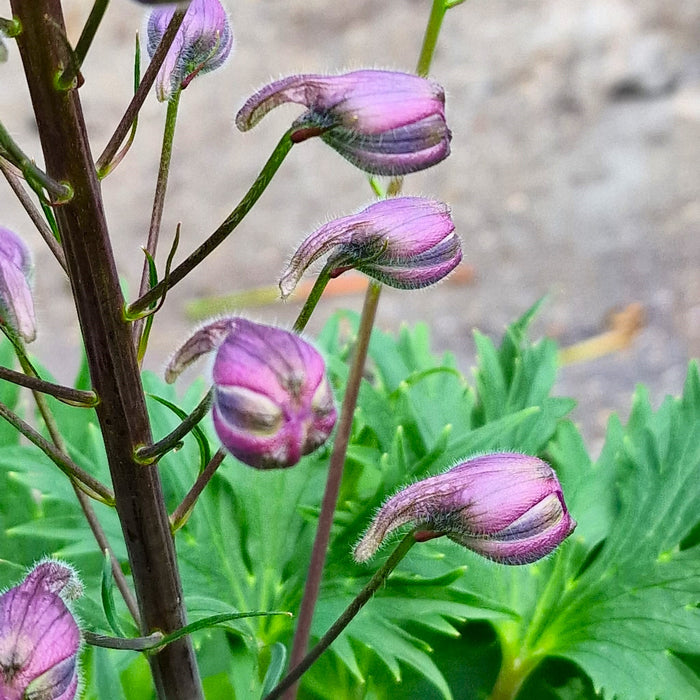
x=39, y=638
x=507, y=507
x=16, y=303
x=406, y=242
x=202, y=44
x=272, y=400
x=384, y=122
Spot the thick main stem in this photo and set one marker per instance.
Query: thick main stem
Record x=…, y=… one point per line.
x=110, y=352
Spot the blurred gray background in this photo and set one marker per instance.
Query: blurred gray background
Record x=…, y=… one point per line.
x=574, y=173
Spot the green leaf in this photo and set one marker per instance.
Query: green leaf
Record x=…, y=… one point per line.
x=278, y=659
x=630, y=615
x=107, y=593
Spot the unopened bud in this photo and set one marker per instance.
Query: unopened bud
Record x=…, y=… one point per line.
x=507, y=507
x=16, y=303
x=406, y=242
x=384, y=122
x=272, y=400
x=202, y=44
x=39, y=637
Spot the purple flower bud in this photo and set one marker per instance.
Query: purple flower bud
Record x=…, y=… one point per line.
x=507, y=507
x=203, y=43
x=384, y=122
x=39, y=638
x=407, y=242
x=272, y=401
x=16, y=303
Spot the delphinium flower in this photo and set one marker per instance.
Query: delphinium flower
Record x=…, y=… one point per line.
x=405, y=242
x=384, y=122
x=507, y=507
x=39, y=637
x=272, y=401
x=202, y=44
x=16, y=303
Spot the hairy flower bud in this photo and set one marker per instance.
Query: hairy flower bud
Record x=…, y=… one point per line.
x=203, y=43
x=39, y=638
x=16, y=303
x=507, y=507
x=272, y=400
x=384, y=122
x=406, y=242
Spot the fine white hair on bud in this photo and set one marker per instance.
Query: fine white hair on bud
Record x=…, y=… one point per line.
x=384, y=122
x=404, y=242
x=203, y=43
x=506, y=506
x=272, y=399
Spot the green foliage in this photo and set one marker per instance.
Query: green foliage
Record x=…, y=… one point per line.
x=613, y=613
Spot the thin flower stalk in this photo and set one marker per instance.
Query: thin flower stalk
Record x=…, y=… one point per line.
x=181, y=514
x=74, y=397
x=38, y=180
x=92, y=487
x=84, y=42
x=148, y=455
x=14, y=181
x=86, y=506
x=374, y=584
x=158, y=201
x=219, y=236
x=335, y=476
x=103, y=164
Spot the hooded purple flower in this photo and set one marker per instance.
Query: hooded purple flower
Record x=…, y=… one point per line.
x=16, y=303
x=406, y=242
x=272, y=400
x=506, y=506
x=384, y=122
x=39, y=638
x=203, y=43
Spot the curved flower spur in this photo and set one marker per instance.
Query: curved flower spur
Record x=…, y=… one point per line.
x=384, y=122
x=272, y=401
x=507, y=507
x=405, y=242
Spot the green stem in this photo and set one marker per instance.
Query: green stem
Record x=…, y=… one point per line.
x=378, y=580
x=84, y=43
x=182, y=512
x=104, y=161
x=13, y=180
x=314, y=297
x=430, y=38
x=36, y=178
x=335, y=475
x=148, y=455
x=166, y=153
x=219, y=236
x=10, y=27
x=512, y=674
x=74, y=397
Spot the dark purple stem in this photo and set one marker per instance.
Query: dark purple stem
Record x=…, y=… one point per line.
x=108, y=345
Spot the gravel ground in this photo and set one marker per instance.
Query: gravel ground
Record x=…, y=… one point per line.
x=574, y=172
